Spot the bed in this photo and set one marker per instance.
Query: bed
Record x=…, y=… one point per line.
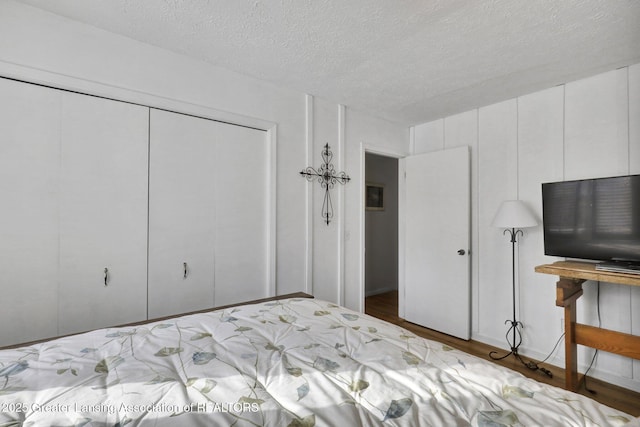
x=289, y=362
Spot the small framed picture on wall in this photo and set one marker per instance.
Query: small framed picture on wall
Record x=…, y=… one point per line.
x=374, y=197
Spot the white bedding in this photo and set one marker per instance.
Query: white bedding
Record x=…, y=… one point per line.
x=294, y=362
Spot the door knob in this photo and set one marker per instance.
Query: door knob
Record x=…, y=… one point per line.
x=461, y=252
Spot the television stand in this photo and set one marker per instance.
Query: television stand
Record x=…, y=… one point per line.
x=627, y=267
x=568, y=290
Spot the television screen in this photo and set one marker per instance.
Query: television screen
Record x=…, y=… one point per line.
x=594, y=219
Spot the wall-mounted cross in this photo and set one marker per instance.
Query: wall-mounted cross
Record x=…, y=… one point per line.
x=327, y=177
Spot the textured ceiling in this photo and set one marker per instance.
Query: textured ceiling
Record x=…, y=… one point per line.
x=409, y=61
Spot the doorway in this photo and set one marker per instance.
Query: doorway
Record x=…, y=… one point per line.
x=381, y=225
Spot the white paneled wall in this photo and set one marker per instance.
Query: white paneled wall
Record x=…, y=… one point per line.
x=497, y=157
x=326, y=274
x=596, y=129
x=597, y=145
x=540, y=159
x=583, y=129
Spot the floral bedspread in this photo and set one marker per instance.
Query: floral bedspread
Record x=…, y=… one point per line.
x=294, y=362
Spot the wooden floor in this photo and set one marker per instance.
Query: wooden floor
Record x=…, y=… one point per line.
x=385, y=307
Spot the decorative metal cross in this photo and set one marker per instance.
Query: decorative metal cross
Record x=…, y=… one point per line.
x=327, y=177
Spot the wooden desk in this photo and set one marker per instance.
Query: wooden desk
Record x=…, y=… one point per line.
x=568, y=290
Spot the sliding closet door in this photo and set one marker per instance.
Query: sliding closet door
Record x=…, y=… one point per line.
x=103, y=213
x=181, y=213
x=29, y=153
x=242, y=215
x=208, y=214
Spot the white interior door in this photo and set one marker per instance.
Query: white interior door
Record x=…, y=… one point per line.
x=437, y=241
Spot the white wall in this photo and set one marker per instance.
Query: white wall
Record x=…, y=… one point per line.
x=40, y=47
x=587, y=128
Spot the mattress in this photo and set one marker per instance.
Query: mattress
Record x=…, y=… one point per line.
x=293, y=362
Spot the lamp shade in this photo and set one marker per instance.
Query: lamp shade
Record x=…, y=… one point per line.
x=514, y=214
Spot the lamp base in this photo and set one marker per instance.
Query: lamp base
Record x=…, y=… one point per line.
x=517, y=340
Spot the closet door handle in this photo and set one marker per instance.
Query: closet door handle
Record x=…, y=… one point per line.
x=106, y=276
x=184, y=265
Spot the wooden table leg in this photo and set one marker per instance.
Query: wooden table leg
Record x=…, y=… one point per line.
x=567, y=292
x=570, y=348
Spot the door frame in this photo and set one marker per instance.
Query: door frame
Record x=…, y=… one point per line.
x=398, y=155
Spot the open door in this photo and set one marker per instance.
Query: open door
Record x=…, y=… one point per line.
x=437, y=286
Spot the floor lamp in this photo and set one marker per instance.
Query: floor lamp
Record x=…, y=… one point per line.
x=513, y=215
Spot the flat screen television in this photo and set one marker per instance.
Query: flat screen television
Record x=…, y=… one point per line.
x=593, y=219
